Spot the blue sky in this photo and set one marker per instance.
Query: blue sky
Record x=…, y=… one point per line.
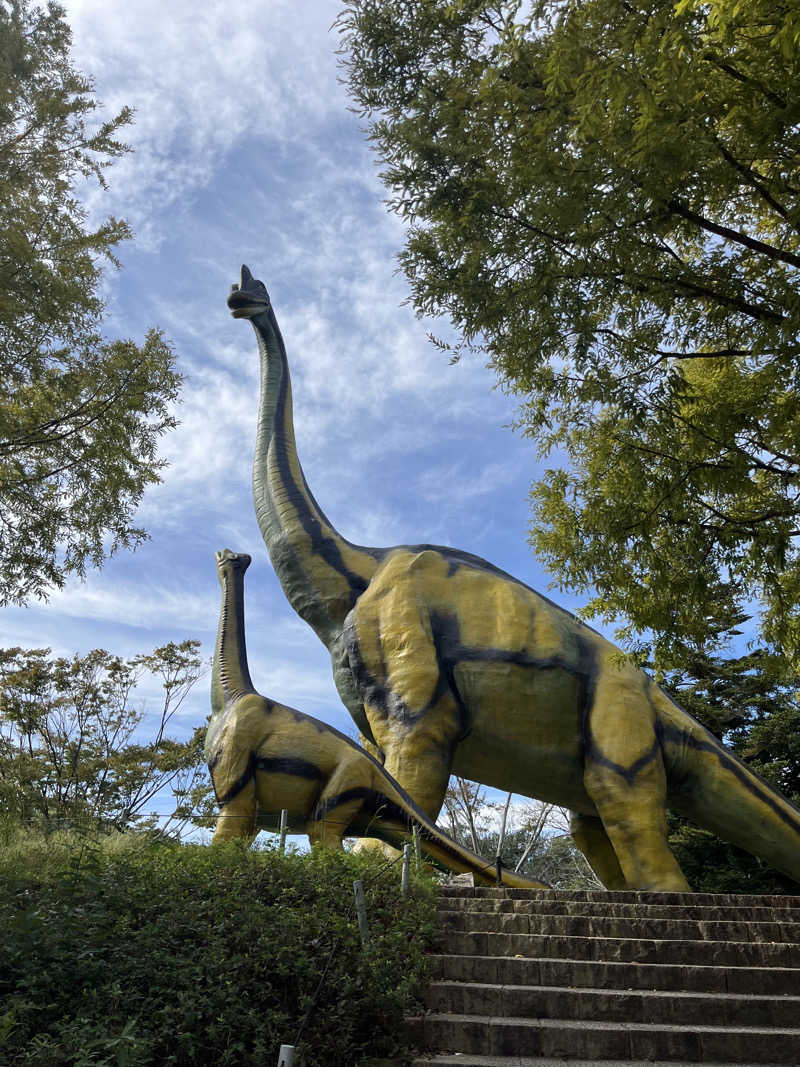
x=245, y=151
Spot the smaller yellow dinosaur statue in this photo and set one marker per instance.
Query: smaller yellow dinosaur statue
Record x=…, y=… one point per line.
x=264, y=757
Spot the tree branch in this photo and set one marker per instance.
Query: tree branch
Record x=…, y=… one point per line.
x=736, y=236
x=755, y=180
x=755, y=311
x=729, y=69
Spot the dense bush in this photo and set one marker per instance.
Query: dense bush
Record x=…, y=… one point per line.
x=131, y=952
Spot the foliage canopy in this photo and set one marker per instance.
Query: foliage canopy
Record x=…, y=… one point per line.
x=72, y=739
x=604, y=195
x=80, y=417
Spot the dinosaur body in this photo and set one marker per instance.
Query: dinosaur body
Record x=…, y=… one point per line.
x=447, y=663
x=265, y=757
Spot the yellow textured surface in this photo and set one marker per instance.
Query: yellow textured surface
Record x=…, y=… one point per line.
x=446, y=664
x=265, y=757
x=478, y=674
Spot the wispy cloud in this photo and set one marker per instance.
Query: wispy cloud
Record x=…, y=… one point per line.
x=245, y=151
x=202, y=78
x=143, y=604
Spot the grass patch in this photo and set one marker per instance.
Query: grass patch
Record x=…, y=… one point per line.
x=127, y=952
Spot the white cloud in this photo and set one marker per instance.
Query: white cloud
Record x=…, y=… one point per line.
x=202, y=77
x=143, y=604
x=209, y=453
x=245, y=152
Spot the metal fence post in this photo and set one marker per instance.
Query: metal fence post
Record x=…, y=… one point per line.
x=361, y=912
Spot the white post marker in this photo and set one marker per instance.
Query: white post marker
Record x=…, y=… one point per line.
x=361, y=912
x=286, y=1056
x=406, y=871
x=284, y=826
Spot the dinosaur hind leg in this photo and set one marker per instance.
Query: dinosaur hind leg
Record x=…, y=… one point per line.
x=624, y=776
x=590, y=836
x=339, y=803
x=635, y=822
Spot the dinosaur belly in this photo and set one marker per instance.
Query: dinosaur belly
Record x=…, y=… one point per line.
x=292, y=765
x=277, y=789
x=525, y=731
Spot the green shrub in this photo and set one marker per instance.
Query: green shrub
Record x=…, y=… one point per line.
x=133, y=953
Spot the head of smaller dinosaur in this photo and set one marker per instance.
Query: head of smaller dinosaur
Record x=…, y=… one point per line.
x=249, y=297
x=236, y=561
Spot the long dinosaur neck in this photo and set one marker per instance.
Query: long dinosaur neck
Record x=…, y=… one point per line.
x=322, y=574
x=230, y=677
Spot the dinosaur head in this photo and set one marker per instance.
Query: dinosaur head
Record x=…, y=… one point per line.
x=249, y=297
x=231, y=561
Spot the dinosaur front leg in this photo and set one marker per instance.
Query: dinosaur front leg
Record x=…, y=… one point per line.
x=420, y=761
x=237, y=816
x=419, y=758
x=402, y=676
x=371, y=748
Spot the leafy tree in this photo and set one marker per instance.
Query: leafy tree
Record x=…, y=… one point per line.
x=71, y=748
x=605, y=196
x=533, y=839
x=80, y=417
x=464, y=812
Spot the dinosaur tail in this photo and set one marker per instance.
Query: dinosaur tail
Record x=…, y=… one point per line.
x=393, y=818
x=444, y=853
x=719, y=792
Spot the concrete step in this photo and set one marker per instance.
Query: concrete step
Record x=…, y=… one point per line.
x=602, y=896
x=602, y=974
x=593, y=979
x=630, y=925
x=613, y=1005
x=694, y=952
x=461, y=1059
x=545, y=906
x=598, y=1041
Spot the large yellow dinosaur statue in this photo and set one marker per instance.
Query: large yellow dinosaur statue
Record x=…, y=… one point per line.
x=447, y=663
x=264, y=757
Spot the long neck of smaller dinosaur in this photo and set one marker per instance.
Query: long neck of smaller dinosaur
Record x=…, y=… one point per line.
x=230, y=677
x=321, y=573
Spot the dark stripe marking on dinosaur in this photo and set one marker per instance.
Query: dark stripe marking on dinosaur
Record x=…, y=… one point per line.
x=322, y=545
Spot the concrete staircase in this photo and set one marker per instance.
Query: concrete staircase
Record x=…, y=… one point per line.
x=531, y=978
